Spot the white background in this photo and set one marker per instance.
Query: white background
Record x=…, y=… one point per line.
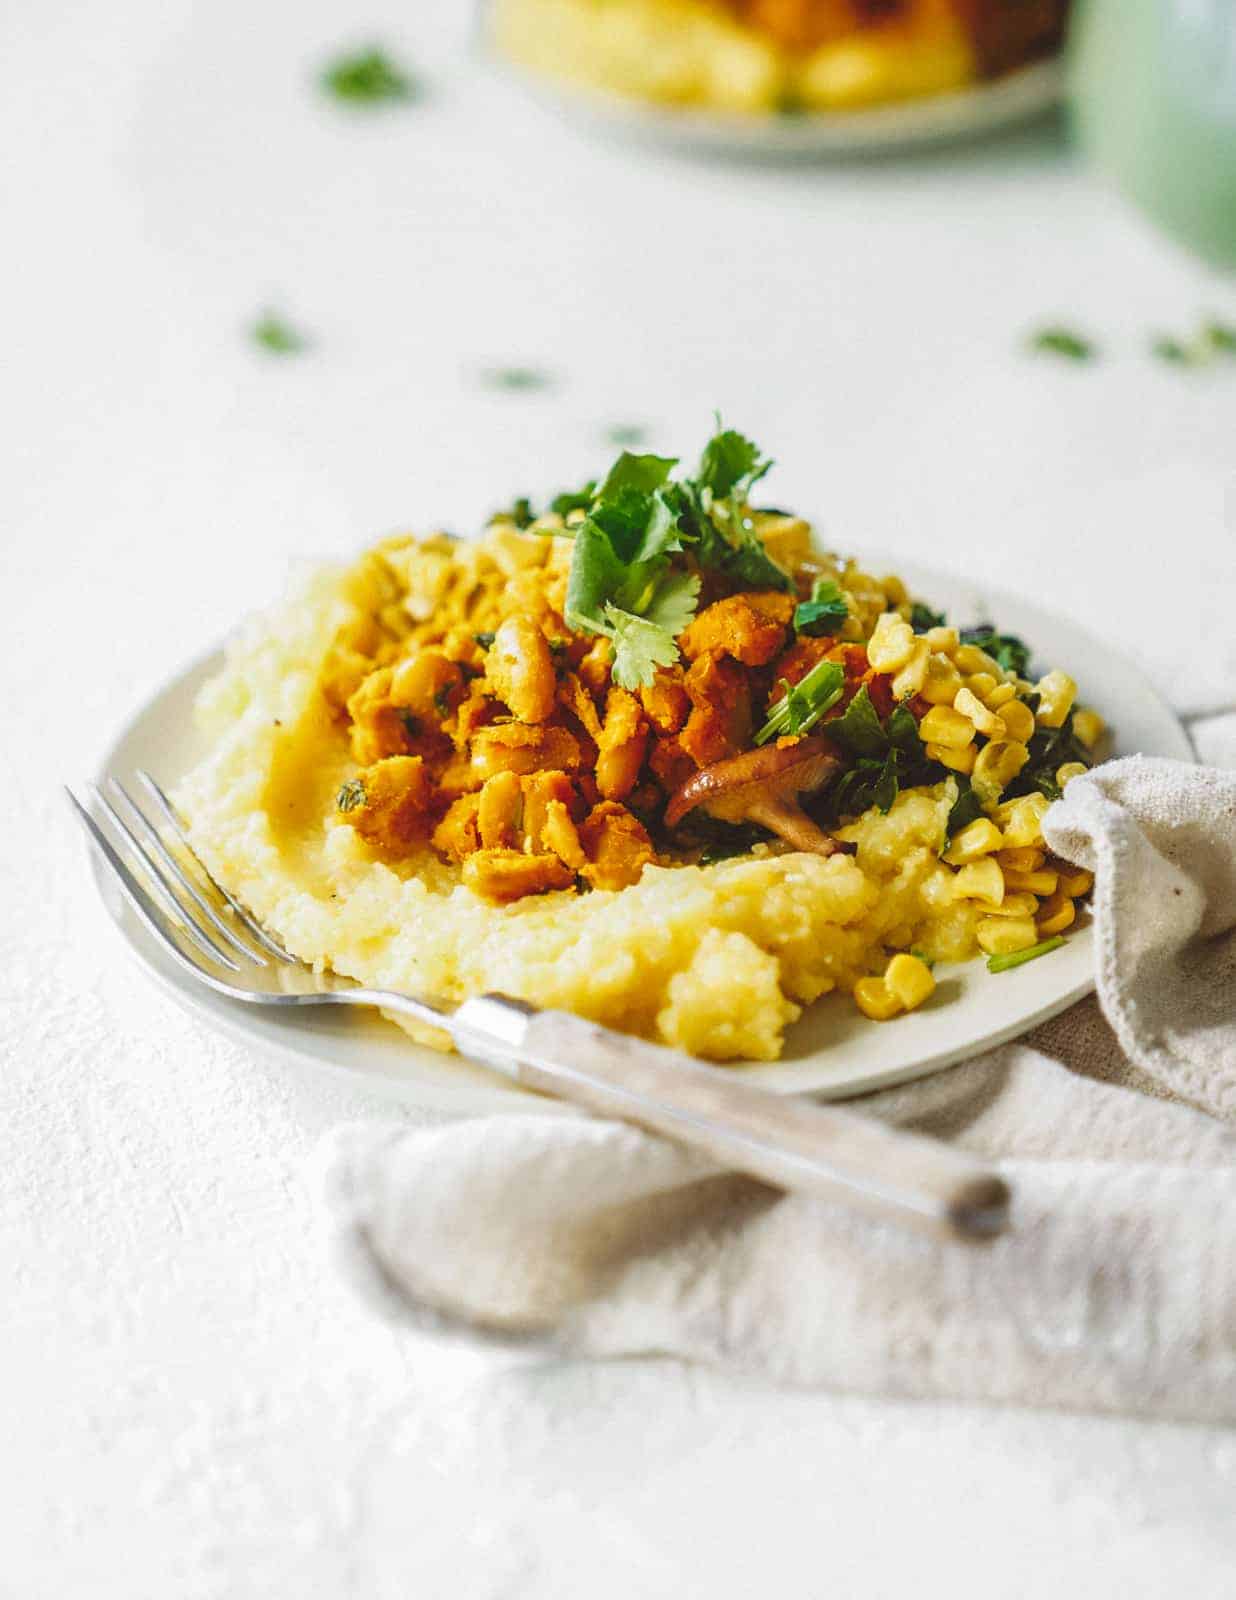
x=191, y=1404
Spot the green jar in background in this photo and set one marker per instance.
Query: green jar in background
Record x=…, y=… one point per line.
x=1153, y=95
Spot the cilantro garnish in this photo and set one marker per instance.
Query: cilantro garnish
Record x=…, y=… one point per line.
x=1018, y=958
x=1062, y=342
x=520, y=512
x=965, y=809
x=623, y=582
x=1050, y=749
x=804, y=703
x=275, y=334
x=1006, y=648
x=824, y=612
x=351, y=795
x=367, y=77
x=573, y=500
x=923, y=617
x=888, y=756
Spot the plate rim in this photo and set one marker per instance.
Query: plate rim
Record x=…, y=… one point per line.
x=491, y=1092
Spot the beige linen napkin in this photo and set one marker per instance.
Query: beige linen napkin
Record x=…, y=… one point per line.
x=1114, y=1290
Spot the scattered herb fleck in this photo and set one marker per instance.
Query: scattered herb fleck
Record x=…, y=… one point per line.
x=1018, y=958
x=276, y=335
x=824, y=612
x=411, y=724
x=516, y=380
x=1221, y=336
x=351, y=795
x=625, y=435
x=1174, y=351
x=520, y=513
x=1063, y=342
x=484, y=639
x=367, y=77
x=923, y=617
x=442, y=701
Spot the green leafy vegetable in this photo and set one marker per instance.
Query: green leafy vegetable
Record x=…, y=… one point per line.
x=923, y=617
x=351, y=795
x=887, y=756
x=1006, y=648
x=640, y=647
x=1018, y=958
x=802, y=706
x=730, y=461
x=1062, y=342
x=574, y=500
x=1050, y=749
x=824, y=612
x=965, y=809
x=367, y=77
x=275, y=334
x=858, y=729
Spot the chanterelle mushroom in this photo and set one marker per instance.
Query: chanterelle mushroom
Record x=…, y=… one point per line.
x=763, y=786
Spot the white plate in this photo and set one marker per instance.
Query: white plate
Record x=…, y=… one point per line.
x=963, y=114
x=831, y=1052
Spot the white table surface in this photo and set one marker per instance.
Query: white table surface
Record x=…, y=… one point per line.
x=191, y=1403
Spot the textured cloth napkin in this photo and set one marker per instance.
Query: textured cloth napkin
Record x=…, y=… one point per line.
x=1115, y=1288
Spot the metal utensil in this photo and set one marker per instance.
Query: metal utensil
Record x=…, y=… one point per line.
x=792, y=1143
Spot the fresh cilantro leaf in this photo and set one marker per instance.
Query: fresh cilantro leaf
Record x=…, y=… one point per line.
x=802, y=706
x=1006, y=648
x=901, y=730
x=674, y=601
x=886, y=787
x=596, y=574
x=642, y=473
x=515, y=379
x=730, y=461
x=965, y=809
x=1062, y=342
x=640, y=647
x=923, y=617
x=824, y=612
x=574, y=500
x=351, y=795
x=275, y=334
x=367, y=77
x=858, y=728
x=740, y=554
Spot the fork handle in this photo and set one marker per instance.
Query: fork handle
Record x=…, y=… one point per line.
x=790, y=1142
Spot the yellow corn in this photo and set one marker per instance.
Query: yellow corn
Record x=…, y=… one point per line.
x=969, y=704
x=997, y=764
x=970, y=658
x=1057, y=692
x=954, y=760
x=891, y=643
x=1043, y=881
x=912, y=676
x=1069, y=771
x=1000, y=696
x=1000, y=936
x=941, y=680
x=976, y=839
x=895, y=590
x=943, y=638
x=1075, y=881
x=909, y=981
x=1088, y=726
x=980, y=880
x=1055, y=915
x=981, y=684
x=1013, y=905
x=1021, y=820
x=874, y=999
x=1018, y=719
x=943, y=725
x=1023, y=859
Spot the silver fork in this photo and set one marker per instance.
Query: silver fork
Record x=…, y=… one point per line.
x=790, y=1142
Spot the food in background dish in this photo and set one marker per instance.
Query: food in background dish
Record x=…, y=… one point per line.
x=647, y=756
x=760, y=56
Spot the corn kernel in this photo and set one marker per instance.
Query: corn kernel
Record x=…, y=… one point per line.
x=1000, y=696
x=979, y=880
x=941, y=681
x=891, y=643
x=969, y=704
x=1075, y=881
x=912, y=676
x=1057, y=692
x=999, y=936
x=1023, y=859
x=943, y=725
x=1069, y=771
x=954, y=760
x=909, y=981
x=895, y=590
x=970, y=658
x=1044, y=881
x=998, y=763
x=1021, y=820
x=981, y=684
x=874, y=999
x=1018, y=719
x=943, y=638
x=976, y=839
x=1088, y=726
x=1013, y=905
x=1055, y=915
